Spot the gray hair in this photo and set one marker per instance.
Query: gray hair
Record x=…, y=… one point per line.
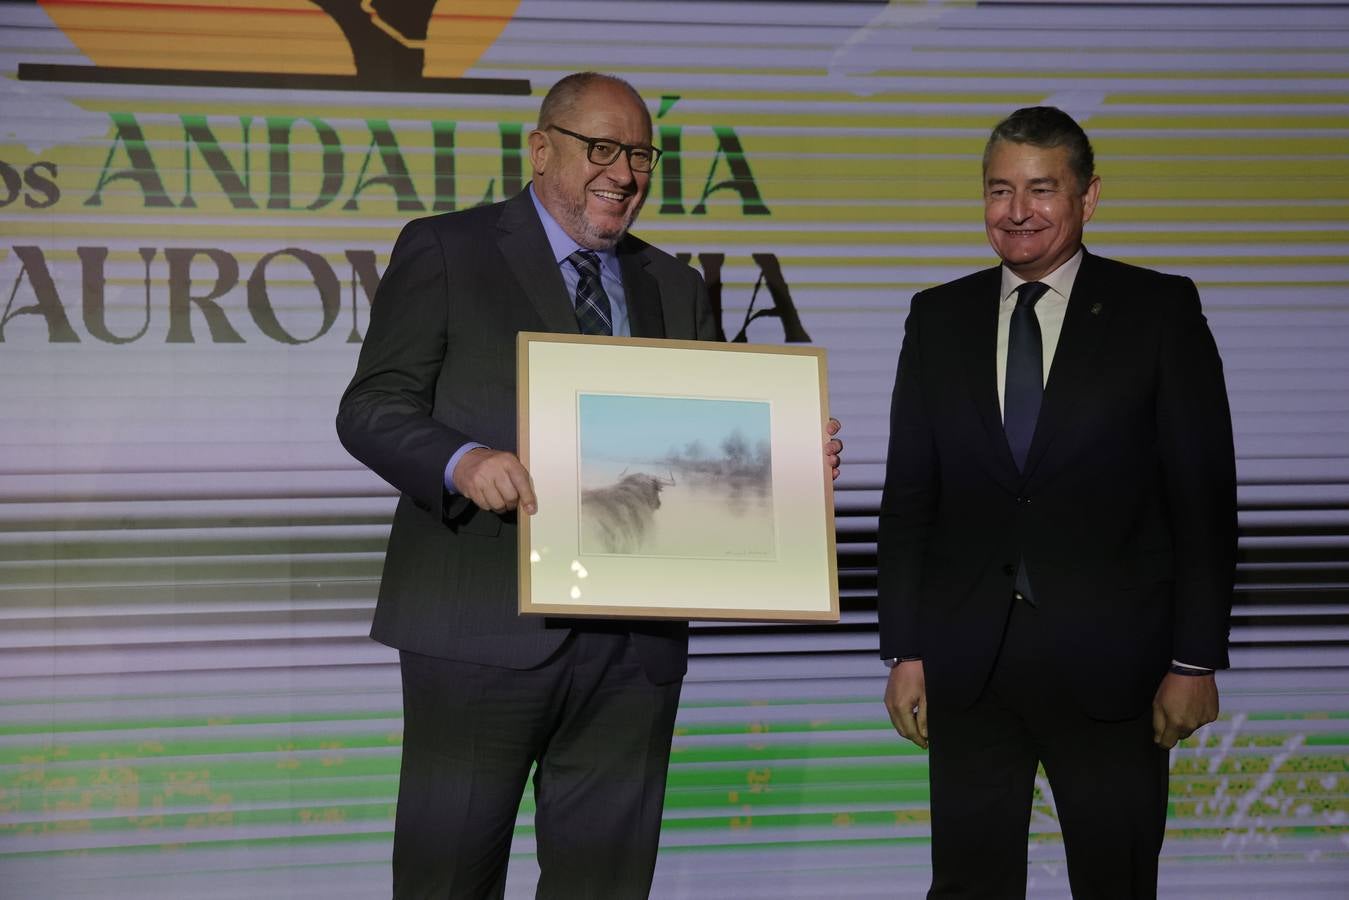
x=563, y=96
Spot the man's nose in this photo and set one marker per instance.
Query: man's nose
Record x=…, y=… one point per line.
x=620, y=170
x=1020, y=208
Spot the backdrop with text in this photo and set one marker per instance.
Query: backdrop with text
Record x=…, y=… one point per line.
x=197, y=201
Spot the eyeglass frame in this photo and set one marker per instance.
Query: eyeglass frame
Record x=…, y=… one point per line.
x=625, y=149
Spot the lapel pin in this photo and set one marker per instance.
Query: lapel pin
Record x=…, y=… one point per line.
x=1096, y=309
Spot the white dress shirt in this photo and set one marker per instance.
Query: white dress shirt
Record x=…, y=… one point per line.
x=1049, y=311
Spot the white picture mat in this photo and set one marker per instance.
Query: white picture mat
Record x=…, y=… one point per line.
x=798, y=582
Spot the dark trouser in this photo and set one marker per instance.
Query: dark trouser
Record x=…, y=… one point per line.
x=1108, y=779
x=600, y=733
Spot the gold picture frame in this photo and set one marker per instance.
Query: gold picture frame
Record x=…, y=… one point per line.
x=675, y=479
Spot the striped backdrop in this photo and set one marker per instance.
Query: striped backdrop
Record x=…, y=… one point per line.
x=189, y=704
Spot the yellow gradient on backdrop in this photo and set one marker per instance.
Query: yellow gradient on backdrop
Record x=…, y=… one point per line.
x=277, y=36
x=455, y=40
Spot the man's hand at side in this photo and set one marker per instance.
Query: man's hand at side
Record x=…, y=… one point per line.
x=495, y=480
x=1183, y=704
x=906, y=701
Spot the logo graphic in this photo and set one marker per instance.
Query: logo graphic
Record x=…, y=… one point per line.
x=390, y=45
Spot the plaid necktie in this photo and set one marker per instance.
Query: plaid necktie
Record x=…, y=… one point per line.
x=592, y=304
x=1025, y=384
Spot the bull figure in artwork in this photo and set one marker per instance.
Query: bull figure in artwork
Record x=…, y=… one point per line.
x=620, y=514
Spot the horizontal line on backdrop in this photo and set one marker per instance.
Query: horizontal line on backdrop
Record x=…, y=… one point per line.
x=265, y=80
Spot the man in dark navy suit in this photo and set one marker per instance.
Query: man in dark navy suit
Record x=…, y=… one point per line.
x=1057, y=533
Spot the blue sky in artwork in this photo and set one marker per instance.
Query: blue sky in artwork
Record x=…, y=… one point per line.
x=625, y=427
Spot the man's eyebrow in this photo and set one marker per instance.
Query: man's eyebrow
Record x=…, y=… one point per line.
x=1043, y=180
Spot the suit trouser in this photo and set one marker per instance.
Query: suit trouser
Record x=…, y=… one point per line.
x=1109, y=782
x=599, y=732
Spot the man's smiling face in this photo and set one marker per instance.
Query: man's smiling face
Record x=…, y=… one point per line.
x=594, y=204
x=1034, y=208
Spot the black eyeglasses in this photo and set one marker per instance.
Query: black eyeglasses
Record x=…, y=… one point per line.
x=603, y=152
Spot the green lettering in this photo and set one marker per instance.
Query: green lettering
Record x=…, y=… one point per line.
x=279, y=129
x=131, y=139
x=442, y=141
x=741, y=180
x=671, y=163
x=383, y=142
x=197, y=131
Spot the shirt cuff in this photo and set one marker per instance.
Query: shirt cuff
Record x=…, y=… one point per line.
x=1181, y=668
x=454, y=461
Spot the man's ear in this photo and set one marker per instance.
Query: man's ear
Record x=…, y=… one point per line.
x=540, y=147
x=1093, y=193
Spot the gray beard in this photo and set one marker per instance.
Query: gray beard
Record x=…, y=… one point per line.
x=591, y=237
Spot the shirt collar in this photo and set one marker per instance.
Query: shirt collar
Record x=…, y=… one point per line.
x=1060, y=280
x=562, y=243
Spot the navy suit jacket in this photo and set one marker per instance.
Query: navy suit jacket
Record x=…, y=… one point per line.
x=1125, y=515
x=436, y=370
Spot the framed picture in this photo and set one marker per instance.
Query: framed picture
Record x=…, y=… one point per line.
x=675, y=479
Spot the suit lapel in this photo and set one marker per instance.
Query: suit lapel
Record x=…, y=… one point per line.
x=525, y=246
x=1072, y=374
x=645, y=318
x=981, y=371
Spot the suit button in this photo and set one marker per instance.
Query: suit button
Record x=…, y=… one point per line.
x=1022, y=501
x=1009, y=570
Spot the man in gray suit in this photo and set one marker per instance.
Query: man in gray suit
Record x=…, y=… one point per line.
x=488, y=694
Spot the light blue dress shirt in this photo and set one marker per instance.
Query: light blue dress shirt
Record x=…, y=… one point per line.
x=611, y=277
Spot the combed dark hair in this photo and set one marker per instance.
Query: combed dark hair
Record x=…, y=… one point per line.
x=563, y=96
x=1047, y=127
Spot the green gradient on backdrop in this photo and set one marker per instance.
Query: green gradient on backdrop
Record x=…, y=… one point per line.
x=762, y=782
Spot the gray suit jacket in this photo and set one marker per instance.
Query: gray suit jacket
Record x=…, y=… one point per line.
x=436, y=370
